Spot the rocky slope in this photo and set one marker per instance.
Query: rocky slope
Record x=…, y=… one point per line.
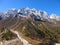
x=34, y=26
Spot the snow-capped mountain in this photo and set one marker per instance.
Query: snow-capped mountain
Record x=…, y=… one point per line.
x=24, y=12
x=35, y=25
x=54, y=16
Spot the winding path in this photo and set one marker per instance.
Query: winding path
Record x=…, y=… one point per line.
x=25, y=42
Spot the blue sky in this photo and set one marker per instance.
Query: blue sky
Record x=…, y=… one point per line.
x=50, y=6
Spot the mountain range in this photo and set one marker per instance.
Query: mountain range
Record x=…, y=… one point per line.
x=35, y=26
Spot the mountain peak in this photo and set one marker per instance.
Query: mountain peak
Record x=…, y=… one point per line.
x=27, y=11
